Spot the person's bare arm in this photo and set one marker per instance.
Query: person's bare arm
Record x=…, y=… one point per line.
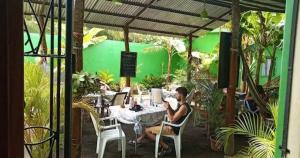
x=176, y=116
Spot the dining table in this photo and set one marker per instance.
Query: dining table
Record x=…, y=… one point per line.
x=148, y=116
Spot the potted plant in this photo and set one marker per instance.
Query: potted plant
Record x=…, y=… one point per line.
x=154, y=84
x=213, y=101
x=151, y=81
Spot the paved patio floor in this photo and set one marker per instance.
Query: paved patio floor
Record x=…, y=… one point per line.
x=194, y=144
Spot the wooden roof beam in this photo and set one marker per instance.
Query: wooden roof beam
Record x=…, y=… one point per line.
x=139, y=13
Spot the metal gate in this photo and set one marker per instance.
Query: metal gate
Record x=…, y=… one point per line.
x=53, y=15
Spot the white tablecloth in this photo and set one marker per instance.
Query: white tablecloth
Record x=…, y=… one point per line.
x=150, y=115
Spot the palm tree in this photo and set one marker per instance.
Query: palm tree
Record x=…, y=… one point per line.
x=172, y=46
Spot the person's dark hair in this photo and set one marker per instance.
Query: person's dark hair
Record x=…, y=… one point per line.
x=182, y=90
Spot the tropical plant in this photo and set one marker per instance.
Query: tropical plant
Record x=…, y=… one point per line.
x=151, y=81
x=36, y=111
x=172, y=46
x=106, y=77
x=91, y=37
x=179, y=76
x=261, y=134
x=84, y=83
x=115, y=86
x=212, y=99
x=260, y=29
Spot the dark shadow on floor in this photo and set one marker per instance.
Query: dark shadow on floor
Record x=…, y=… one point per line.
x=194, y=144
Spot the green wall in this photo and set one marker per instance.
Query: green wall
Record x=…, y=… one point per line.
x=35, y=39
x=206, y=43
x=106, y=56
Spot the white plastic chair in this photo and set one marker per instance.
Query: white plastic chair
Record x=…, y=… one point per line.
x=176, y=138
x=108, y=133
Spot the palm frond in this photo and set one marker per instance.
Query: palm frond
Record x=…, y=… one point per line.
x=261, y=135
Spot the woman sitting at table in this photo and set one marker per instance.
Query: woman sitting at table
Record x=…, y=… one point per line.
x=175, y=116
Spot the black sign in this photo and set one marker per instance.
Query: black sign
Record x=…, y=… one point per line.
x=128, y=64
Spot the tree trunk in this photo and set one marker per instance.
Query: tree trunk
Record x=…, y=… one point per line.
x=189, y=58
x=169, y=64
x=230, y=98
x=258, y=65
x=263, y=43
x=271, y=66
x=43, y=46
x=78, y=15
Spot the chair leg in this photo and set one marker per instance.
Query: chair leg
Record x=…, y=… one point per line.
x=119, y=144
x=101, y=149
x=98, y=141
x=177, y=143
x=123, y=147
x=156, y=145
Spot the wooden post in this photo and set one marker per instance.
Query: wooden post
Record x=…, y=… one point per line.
x=189, y=57
x=230, y=99
x=78, y=15
x=127, y=50
x=11, y=80
x=233, y=62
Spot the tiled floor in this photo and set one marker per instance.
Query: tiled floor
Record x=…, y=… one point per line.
x=194, y=145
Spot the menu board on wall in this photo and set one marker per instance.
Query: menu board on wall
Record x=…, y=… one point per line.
x=128, y=64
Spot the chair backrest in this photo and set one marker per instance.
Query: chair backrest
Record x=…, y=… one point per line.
x=119, y=98
x=156, y=94
x=96, y=125
x=126, y=89
x=184, y=122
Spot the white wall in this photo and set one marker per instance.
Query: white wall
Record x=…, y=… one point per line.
x=294, y=124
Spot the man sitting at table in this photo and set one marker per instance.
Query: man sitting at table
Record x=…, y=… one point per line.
x=175, y=116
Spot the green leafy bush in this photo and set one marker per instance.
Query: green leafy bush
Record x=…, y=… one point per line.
x=84, y=83
x=151, y=81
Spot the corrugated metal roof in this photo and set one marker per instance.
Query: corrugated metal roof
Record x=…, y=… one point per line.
x=161, y=17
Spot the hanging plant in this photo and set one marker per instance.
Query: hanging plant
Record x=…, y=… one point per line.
x=204, y=13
